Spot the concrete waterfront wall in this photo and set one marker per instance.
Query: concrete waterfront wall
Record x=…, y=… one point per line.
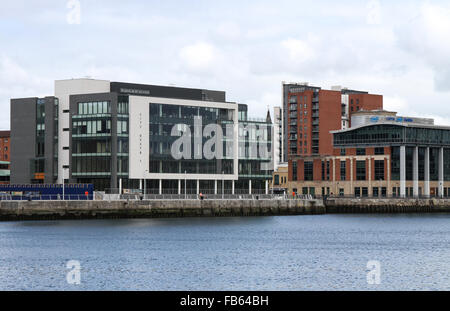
x=367, y=205
x=49, y=210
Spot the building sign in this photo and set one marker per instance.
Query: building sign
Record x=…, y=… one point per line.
x=135, y=91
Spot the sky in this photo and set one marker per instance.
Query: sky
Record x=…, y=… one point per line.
x=400, y=49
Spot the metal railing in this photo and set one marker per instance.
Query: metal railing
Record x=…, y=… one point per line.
x=46, y=197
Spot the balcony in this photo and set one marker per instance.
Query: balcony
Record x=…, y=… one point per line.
x=315, y=115
x=315, y=122
x=315, y=107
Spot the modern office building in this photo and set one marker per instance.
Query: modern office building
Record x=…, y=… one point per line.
x=125, y=136
x=310, y=113
x=381, y=154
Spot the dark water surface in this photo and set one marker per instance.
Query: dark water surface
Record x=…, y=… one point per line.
x=327, y=252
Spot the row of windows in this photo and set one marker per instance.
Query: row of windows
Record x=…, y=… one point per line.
x=361, y=172
x=363, y=151
x=91, y=127
x=103, y=107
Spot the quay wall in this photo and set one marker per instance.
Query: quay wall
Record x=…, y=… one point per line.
x=387, y=205
x=49, y=210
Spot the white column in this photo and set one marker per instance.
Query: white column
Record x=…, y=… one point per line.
x=370, y=176
x=351, y=176
x=198, y=186
x=402, y=171
x=416, y=171
x=179, y=186
x=250, y=186
x=120, y=185
x=441, y=172
x=232, y=187
x=140, y=184
x=215, y=186
x=267, y=187
x=426, y=183
x=160, y=186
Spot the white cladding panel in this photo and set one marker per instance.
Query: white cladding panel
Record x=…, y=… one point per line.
x=63, y=90
x=139, y=141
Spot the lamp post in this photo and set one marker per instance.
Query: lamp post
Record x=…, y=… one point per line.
x=223, y=186
x=185, y=181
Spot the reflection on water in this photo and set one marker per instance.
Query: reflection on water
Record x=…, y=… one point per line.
x=328, y=252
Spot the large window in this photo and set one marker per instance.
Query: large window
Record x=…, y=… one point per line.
x=102, y=107
x=343, y=170
x=379, y=169
x=294, y=171
x=308, y=170
x=360, y=170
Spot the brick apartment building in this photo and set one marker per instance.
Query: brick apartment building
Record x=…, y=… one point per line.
x=310, y=115
x=5, y=140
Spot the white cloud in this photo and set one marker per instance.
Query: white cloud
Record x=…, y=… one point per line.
x=427, y=38
x=199, y=57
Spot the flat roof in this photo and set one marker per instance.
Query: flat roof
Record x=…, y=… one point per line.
x=424, y=126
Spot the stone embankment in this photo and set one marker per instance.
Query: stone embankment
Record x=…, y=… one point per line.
x=388, y=205
x=49, y=210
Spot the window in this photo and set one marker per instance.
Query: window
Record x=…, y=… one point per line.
x=66, y=111
x=365, y=191
x=343, y=151
x=357, y=192
x=308, y=170
x=360, y=151
x=379, y=169
x=94, y=108
x=379, y=151
x=360, y=170
x=341, y=192
x=343, y=170
x=277, y=180
x=294, y=171
x=375, y=192
x=66, y=130
x=65, y=148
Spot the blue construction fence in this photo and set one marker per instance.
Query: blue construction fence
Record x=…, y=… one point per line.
x=47, y=192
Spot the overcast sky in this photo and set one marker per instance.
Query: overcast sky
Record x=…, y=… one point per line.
x=246, y=48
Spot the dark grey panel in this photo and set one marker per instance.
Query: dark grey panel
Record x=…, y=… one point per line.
x=50, y=133
x=167, y=91
x=23, y=138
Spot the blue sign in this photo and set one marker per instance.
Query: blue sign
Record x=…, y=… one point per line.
x=399, y=120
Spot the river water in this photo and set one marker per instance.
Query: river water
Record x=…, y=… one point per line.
x=328, y=252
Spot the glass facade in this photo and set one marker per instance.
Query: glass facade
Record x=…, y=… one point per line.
x=92, y=143
x=163, y=118
x=392, y=134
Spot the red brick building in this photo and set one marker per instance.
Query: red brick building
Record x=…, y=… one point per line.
x=5, y=140
x=312, y=113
